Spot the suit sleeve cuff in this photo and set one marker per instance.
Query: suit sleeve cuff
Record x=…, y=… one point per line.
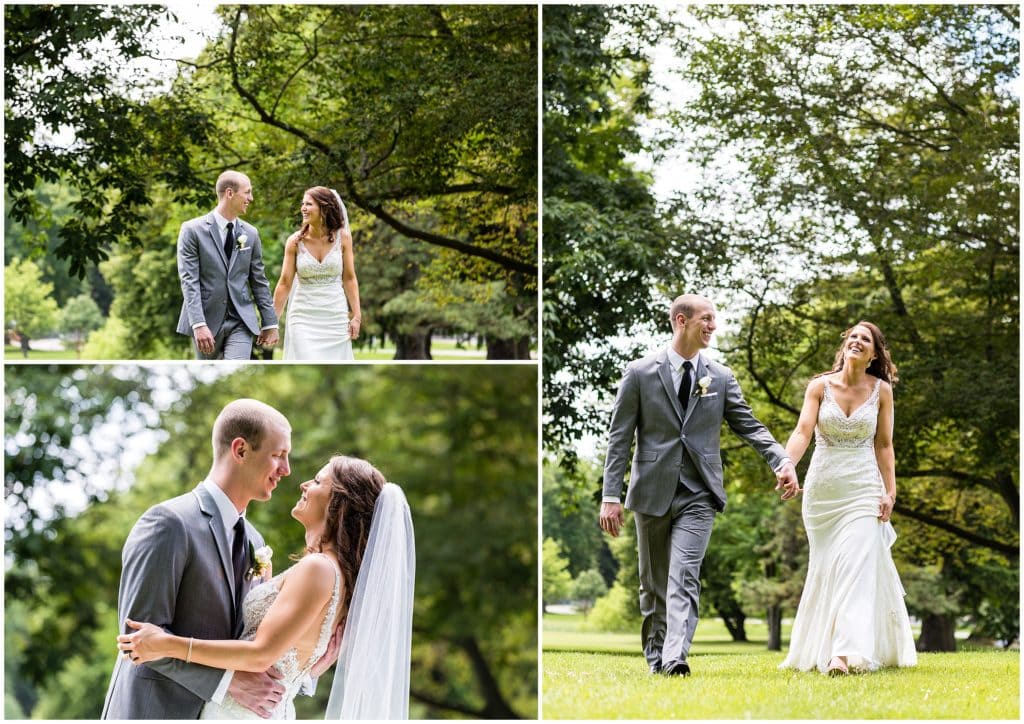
x=611, y=499
x=784, y=463
x=269, y=326
x=222, y=688
x=197, y=325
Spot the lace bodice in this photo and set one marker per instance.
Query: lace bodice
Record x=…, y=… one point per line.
x=257, y=603
x=316, y=273
x=836, y=429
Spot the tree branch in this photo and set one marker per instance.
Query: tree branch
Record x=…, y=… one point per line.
x=751, y=367
x=357, y=198
x=1011, y=551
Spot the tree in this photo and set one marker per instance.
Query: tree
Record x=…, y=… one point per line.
x=557, y=580
x=122, y=141
x=587, y=588
x=80, y=316
x=606, y=243
x=29, y=306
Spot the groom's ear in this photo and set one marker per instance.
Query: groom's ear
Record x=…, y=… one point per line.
x=239, y=447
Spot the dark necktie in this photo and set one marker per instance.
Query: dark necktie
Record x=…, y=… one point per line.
x=238, y=561
x=684, y=386
x=229, y=241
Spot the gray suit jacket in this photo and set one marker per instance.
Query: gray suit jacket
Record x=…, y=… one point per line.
x=207, y=280
x=647, y=406
x=176, y=574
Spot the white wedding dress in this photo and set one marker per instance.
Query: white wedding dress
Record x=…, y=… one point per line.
x=257, y=603
x=852, y=603
x=317, y=317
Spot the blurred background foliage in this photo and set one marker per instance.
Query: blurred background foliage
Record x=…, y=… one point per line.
x=461, y=441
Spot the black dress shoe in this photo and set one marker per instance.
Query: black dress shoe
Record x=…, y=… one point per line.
x=680, y=668
x=656, y=668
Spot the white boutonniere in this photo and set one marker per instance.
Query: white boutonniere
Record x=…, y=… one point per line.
x=261, y=559
x=702, y=386
x=240, y=242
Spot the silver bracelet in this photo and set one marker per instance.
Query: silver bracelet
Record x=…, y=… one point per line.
x=188, y=656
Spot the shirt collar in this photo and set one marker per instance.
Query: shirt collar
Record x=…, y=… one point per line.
x=676, y=360
x=228, y=515
x=222, y=223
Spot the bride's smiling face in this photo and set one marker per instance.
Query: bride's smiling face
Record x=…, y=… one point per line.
x=860, y=344
x=310, y=211
x=311, y=507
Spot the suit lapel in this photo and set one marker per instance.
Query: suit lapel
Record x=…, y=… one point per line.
x=209, y=509
x=214, y=233
x=665, y=373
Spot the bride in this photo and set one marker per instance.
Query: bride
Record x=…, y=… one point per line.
x=851, y=614
x=358, y=568
x=318, y=282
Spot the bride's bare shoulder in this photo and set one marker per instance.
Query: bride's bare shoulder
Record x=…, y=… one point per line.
x=313, y=573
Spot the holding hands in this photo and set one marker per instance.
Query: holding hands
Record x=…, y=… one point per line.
x=788, y=482
x=268, y=338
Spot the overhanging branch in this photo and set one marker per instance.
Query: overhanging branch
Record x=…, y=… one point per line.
x=358, y=199
x=1011, y=551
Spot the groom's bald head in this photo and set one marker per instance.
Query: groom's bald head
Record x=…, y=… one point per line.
x=247, y=419
x=233, y=180
x=688, y=305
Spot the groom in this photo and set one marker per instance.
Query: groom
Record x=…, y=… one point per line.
x=184, y=569
x=674, y=402
x=220, y=263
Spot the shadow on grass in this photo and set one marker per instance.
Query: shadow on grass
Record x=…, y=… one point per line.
x=640, y=653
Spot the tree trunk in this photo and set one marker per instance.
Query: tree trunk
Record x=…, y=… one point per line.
x=508, y=348
x=937, y=633
x=774, y=618
x=735, y=622
x=412, y=346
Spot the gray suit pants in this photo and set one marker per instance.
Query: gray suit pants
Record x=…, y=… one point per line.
x=671, y=549
x=233, y=341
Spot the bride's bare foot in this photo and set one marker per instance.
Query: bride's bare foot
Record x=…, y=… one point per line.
x=837, y=667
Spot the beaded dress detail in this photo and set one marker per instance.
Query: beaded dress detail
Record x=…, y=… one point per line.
x=254, y=609
x=316, y=322
x=852, y=602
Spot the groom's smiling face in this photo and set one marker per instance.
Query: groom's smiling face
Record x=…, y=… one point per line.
x=697, y=330
x=239, y=200
x=266, y=466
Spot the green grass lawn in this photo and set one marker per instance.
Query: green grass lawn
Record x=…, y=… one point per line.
x=596, y=675
x=441, y=351
x=13, y=354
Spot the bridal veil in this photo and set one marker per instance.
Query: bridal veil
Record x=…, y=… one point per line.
x=371, y=680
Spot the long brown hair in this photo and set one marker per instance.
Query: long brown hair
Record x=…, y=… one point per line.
x=881, y=366
x=330, y=211
x=355, y=487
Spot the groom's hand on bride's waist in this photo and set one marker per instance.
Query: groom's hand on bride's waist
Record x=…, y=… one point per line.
x=331, y=655
x=257, y=692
